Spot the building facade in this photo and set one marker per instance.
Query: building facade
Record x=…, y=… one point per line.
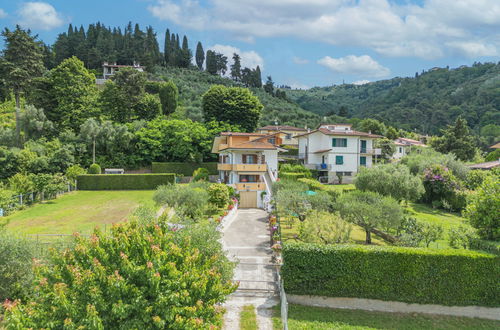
x=403, y=147
x=337, y=151
x=286, y=133
x=249, y=163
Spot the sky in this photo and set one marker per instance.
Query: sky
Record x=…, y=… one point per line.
x=300, y=43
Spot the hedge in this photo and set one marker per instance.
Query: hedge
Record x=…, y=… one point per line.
x=292, y=175
x=412, y=275
x=488, y=246
x=185, y=169
x=331, y=189
x=123, y=181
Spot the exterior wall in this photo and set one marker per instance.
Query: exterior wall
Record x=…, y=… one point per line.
x=290, y=142
x=400, y=152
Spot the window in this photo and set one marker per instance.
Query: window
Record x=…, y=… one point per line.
x=400, y=150
x=288, y=136
x=249, y=178
x=272, y=140
x=339, y=142
x=362, y=161
x=224, y=159
x=339, y=160
x=249, y=159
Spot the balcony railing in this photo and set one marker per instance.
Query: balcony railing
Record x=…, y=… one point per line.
x=242, y=167
x=250, y=186
x=367, y=151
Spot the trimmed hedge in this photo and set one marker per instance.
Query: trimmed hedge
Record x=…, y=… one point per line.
x=185, y=169
x=412, y=275
x=315, y=185
x=292, y=175
x=123, y=181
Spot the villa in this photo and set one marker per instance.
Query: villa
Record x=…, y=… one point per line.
x=249, y=163
x=404, y=145
x=287, y=133
x=337, y=151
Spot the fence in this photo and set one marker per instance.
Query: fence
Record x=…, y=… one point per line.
x=283, y=300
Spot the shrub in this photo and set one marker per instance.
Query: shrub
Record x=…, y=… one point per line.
x=138, y=276
x=315, y=185
x=94, y=169
x=461, y=237
x=412, y=275
x=218, y=194
x=123, y=181
x=292, y=176
x=185, y=169
x=441, y=185
x=73, y=172
x=21, y=183
x=475, y=178
x=488, y=246
x=188, y=201
x=7, y=201
x=200, y=174
x=16, y=267
x=483, y=209
x=325, y=228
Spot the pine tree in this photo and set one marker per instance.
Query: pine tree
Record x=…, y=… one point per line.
x=200, y=56
x=236, y=68
x=22, y=61
x=168, y=48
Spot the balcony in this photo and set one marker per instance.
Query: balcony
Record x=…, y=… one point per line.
x=242, y=186
x=319, y=167
x=366, y=151
x=242, y=167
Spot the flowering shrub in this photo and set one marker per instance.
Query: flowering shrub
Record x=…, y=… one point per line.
x=138, y=276
x=442, y=188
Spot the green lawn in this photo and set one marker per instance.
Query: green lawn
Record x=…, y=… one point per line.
x=78, y=211
x=316, y=318
x=447, y=220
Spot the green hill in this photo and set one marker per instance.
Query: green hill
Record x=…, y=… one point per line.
x=427, y=102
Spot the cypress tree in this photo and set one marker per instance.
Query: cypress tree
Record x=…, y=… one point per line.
x=167, y=48
x=236, y=68
x=186, y=54
x=200, y=55
x=211, y=64
x=257, y=78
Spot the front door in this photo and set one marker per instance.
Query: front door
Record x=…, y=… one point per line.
x=248, y=199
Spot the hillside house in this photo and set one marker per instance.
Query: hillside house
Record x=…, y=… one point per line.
x=108, y=70
x=336, y=150
x=249, y=163
x=286, y=133
x=404, y=145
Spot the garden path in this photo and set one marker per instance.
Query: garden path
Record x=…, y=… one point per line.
x=246, y=240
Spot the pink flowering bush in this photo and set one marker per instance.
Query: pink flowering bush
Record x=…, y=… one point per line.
x=138, y=276
x=442, y=188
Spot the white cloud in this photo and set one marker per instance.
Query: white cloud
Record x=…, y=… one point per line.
x=355, y=65
x=361, y=82
x=431, y=29
x=40, y=15
x=3, y=14
x=298, y=60
x=249, y=59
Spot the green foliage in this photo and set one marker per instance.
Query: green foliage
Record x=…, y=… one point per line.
x=483, y=209
x=135, y=277
x=200, y=174
x=185, y=169
x=488, y=246
x=425, y=276
x=74, y=171
x=475, y=178
x=390, y=180
x=169, y=96
x=371, y=125
x=95, y=169
x=422, y=158
x=218, y=194
x=21, y=183
x=189, y=201
x=443, y=189
x=234, y=105
x=123, y=181
x=293, y=176
x=295, y=168
x=431, y=233
x=387, y=148
x=494, y=155
x=461, y=237
x=148, y=107
x=332, y=190
x=16, y=267
x=370, y=211
x=325, y=228
x=456, y=140
x=6, y=201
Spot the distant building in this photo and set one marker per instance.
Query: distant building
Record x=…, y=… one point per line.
x=109, y=70
x=337, y=150
x=485, y=166
x=286, y=133
x=495, y=146
x=404, y=145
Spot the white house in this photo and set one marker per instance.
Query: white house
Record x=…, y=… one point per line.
x=108, y=70
x=404, y=145
x=249, y=163
x=337, y=150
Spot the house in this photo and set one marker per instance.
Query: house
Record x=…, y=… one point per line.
x=287, y=133
x=249, y=163
x=495, y=146
x=336, y=150
x=108, y=70
x=404, y=145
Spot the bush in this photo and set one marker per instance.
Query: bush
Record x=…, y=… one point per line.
x=200, y=174
x=325, y=228
x=461, y=237
x=188, y=200
x=185, y=169
x=218, y=194
x=483, y=209
x=138, y=276
x=315, y=185
x=295, y=168
x=442, y=186
x=123, y=181
x=94, y=169
x=73, y=172
x=16, y=267
x=488, y=246
x=292, y=176
x=412, y=275
x=7, y=201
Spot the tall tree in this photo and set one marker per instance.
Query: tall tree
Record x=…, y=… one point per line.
x=457, y=140
x=211, y=64
x=167, y=48
x=269, y=86
x=257, y=81
x=169, y=95
x=200, y=55
x=21, y=62
x=233, y=105
x=186, y=54
x=236, y=68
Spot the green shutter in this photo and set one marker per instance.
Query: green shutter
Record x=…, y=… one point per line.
x=345, y=142
x=339, y=160
x=362, y=160
x=334, y=142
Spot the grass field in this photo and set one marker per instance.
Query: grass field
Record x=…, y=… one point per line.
x=316, y=318
x=78, y=211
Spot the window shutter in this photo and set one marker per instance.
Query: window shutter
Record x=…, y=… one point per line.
x=244, y=158
x=334, y=142
x=345, y=142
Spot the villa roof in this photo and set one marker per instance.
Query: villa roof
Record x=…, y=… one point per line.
x=411, y=142
x=260, y=142
x=241, y=134
x=281, y=127
x=341, y=133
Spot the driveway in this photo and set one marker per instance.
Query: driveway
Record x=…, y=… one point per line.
x=246, y=240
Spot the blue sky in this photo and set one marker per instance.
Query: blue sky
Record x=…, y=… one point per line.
x=300, y=43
